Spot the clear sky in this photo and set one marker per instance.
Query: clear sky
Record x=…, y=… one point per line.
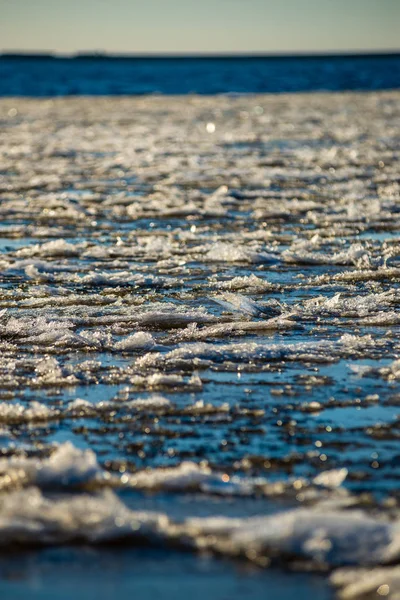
x=205, y=26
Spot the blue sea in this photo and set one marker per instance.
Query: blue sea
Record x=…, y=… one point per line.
x=53, y=76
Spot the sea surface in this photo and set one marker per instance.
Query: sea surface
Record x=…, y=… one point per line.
x=102, y=76
x=199, y=346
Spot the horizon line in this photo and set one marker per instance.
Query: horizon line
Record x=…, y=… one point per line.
x=10, y=54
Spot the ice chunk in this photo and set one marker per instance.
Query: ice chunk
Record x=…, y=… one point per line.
x=224, y=252
x=14, y=413
x=237, y=302
x=248, y=282
x=331, y=479
x=54, y=248
x=137, y=341
x=66, y=467
x=154, y=402
x=354, y=255
x=358, y=584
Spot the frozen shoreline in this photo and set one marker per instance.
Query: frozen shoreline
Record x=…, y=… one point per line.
x=199, y=298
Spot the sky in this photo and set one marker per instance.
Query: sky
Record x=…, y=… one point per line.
x=199, y=26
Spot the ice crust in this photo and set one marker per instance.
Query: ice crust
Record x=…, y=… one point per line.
x=201, y=354
x=318, y=537
x=209, y=313
x=70, y=467
x=315, y=535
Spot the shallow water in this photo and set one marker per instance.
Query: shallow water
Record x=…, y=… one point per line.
x=92, y=573
x=199, y=340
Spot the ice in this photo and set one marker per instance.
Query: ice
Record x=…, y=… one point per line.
x=326, y=538
x=14, y=413
x=354, y=255
x=154, y=402
x=136, y=341
x=67, y=467
x=168, y=316
x=55, y=248
x=332, y=478
x=322, y=538
x=80, y=407
x=194, y=354
x=390, y=371
x=122, y=221
x=42, y=331
x=193, y=333
x=200, y=407
x=356, y=306
x=70, y=468
x=357, y=584
x=31, y=518
x=237, y=302
x=187, y=476
x=224, y=252
x=250, y=282
x=49, y=372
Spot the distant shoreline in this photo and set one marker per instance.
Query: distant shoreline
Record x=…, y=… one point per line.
x=199, y=56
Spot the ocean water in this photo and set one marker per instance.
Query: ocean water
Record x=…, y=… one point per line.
x=199, y=346
x=21, y=76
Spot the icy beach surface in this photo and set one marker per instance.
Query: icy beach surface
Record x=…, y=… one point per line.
x=199, y=319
